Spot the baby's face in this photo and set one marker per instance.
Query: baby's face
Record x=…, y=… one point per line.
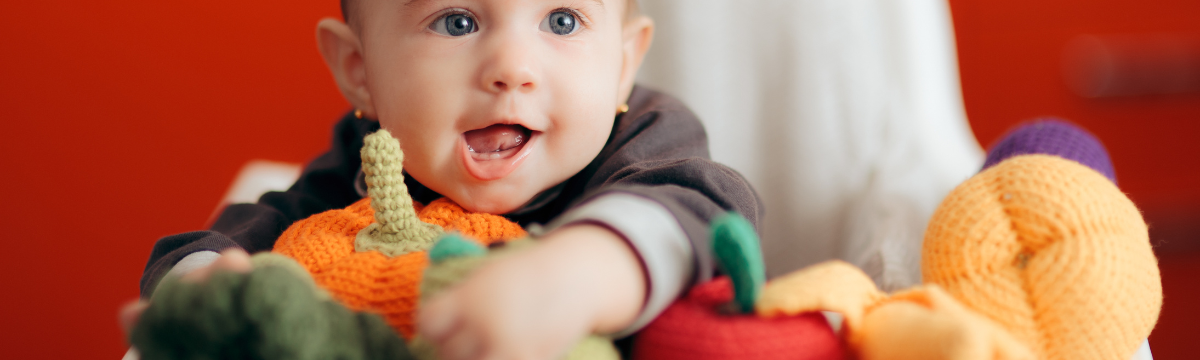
x=494, y=101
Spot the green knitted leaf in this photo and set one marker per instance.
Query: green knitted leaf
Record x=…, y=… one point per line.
x=735, y=244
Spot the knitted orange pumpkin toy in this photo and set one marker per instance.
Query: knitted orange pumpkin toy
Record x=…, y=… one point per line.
x=371, y=255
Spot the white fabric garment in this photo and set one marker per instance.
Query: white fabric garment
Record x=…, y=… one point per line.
x=846, y=115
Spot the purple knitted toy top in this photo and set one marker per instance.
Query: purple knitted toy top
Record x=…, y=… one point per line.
x=1053, y=137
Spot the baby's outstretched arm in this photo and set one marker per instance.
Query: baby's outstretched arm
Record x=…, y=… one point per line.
x=536, y=304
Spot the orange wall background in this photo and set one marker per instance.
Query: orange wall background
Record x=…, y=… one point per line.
x=1010, y=56
x=124, y=121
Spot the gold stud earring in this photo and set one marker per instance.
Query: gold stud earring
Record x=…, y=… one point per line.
x=358, y=113
x=624, y=108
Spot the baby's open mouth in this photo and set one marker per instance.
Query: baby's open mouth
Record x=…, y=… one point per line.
x=493, y=152
x=497, y=141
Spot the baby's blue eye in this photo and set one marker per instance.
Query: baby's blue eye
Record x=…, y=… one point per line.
x=560, y=22
x=456, y=24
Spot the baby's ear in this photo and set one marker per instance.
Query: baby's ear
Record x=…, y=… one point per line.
x=342, y=50
x=636, y=36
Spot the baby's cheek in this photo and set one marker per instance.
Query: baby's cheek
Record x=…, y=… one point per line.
x=598, y=131
x=426, y=147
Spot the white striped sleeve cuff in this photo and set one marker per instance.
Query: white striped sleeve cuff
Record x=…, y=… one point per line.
x=655, y=236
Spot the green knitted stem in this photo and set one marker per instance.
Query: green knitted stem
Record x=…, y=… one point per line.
x=735, y=244
x=396, y=230
x=454, y=245
x=453, y=258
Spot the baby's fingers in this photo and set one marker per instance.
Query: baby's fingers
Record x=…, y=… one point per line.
x=129, y=314
x=441, y=323
x=462, y=345
x=437, y=318
x=232, y=259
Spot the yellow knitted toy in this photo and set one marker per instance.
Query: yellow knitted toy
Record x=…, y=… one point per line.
x=1036, y=257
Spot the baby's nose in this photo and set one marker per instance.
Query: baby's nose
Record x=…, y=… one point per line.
x=502, y=86
x=512, y=77
x=512, y=66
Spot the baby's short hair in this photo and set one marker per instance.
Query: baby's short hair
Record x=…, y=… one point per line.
x=631, y=9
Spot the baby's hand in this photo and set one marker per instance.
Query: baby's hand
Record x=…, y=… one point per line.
x=537, y=304
x=232, y=260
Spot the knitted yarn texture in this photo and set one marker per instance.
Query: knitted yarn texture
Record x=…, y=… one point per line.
x=1051, y=251
x=919, y=323
x=371, y=281
x=717, y=319
x=396, y=230
x=833, y=285
x=927, y=323
x=694, y=329
x=328, y=244
x=1053, y=137
x=736, y=245
x=1037, y=257
x=273, y=312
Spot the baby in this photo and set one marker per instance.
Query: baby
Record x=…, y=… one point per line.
x=525, y=108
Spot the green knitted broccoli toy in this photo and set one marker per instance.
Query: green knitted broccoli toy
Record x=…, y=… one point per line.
x=272, y=312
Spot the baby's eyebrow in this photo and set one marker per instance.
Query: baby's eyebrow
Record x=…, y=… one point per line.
x=599, y=3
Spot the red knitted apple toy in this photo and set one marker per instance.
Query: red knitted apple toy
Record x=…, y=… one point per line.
x=716, y=319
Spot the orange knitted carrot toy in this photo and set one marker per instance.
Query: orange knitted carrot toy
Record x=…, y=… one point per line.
x=370, y=256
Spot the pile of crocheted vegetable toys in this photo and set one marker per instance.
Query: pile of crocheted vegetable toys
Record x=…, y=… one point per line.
x=1040, y=255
